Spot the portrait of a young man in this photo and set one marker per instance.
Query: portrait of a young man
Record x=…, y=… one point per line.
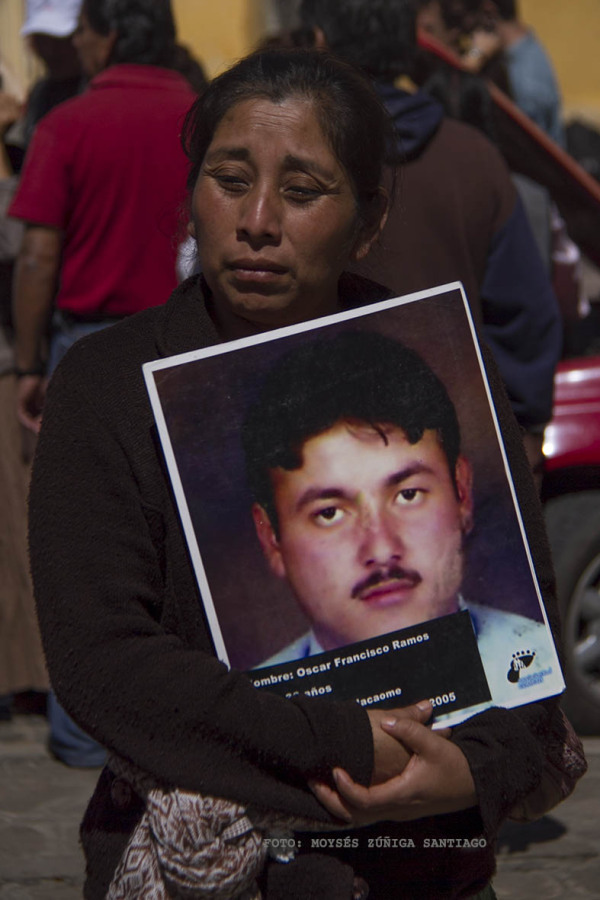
x=353, y=486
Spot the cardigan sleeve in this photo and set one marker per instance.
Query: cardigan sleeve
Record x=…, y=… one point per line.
x=124, y=672
x=505, y=748
x=521, y=319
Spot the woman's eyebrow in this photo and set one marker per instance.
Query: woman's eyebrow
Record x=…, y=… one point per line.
x=221, y=153
x=292, y=162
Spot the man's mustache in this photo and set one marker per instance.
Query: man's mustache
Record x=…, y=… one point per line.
x=384, y=575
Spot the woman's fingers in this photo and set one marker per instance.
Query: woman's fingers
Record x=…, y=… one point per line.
x=412, y=734
x=436, y=780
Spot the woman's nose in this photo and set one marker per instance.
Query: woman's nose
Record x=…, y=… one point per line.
x=382, y=543
x=260, y=219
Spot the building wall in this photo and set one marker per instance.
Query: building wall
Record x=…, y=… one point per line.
x=220, y=31
x=570, y=32
x=17, y=66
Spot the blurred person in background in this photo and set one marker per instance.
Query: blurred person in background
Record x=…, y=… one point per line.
x=446, y=20
x=531, y=78
x=48, y=28
x=22, y=666
x=100, y=193
x=462, y=93
x=186, y=64
x=504, y=49
x=457, y=215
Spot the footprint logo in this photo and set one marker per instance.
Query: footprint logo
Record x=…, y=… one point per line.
x=521, y=660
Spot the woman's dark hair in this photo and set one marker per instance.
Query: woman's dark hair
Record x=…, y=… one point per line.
x=507, y=9
x=145, y=29
x=377, y=36
x=463, y=96
x=455, y=12
x=350, y=114
x=190, y=67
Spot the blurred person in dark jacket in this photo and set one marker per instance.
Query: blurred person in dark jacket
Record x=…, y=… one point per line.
x=457, y=215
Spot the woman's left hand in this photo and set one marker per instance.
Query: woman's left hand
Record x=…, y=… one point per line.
x=436, y=780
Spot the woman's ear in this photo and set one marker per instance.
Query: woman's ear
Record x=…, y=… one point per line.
x=191, y=229
x=373, y=226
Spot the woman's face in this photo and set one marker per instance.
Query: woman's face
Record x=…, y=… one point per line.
x=274, y=215
x=93, y=49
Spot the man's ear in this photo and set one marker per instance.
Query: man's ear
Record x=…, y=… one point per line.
x=268, y=540
x=463, y=476
x=373, y=226
x=191, y=229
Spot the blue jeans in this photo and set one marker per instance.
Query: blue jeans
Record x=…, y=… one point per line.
x=65, y=331
x=67, y=741
x=486, y=894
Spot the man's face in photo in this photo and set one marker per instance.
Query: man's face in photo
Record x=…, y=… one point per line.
x=370, y=531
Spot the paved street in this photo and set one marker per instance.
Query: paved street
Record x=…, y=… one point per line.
x=41, y=803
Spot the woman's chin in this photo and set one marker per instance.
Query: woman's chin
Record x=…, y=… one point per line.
x=270, y=311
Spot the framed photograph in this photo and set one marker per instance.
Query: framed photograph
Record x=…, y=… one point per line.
x=350, y=513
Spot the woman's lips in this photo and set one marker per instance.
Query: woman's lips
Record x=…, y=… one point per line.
x=256, y=271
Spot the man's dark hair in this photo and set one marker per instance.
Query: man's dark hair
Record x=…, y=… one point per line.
x=145, y=29
x=357, y=376
x=350, y=114
x=455, y=12
x=507, y=9
x=377, y=36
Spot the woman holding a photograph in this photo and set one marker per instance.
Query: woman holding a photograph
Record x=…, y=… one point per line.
x=287, y=152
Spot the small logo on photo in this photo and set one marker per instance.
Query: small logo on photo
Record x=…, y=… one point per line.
x=521, y=660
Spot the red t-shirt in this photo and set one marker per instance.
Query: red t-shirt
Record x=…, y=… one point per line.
x=108, y=170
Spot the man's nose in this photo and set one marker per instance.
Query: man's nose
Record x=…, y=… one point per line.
x=260, y=217
x=381, y=543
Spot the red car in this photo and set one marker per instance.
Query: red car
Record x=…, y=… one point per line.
x=571, y=491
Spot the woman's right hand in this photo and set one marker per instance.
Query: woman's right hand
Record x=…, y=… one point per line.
x=435, y=780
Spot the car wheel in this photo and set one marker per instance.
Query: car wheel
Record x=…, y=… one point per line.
x=573, y=522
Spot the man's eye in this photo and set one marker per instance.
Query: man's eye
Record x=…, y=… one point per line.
x=409, y=496
x=330, y=515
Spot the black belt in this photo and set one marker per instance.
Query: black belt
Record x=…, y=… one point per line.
x=71, y=318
